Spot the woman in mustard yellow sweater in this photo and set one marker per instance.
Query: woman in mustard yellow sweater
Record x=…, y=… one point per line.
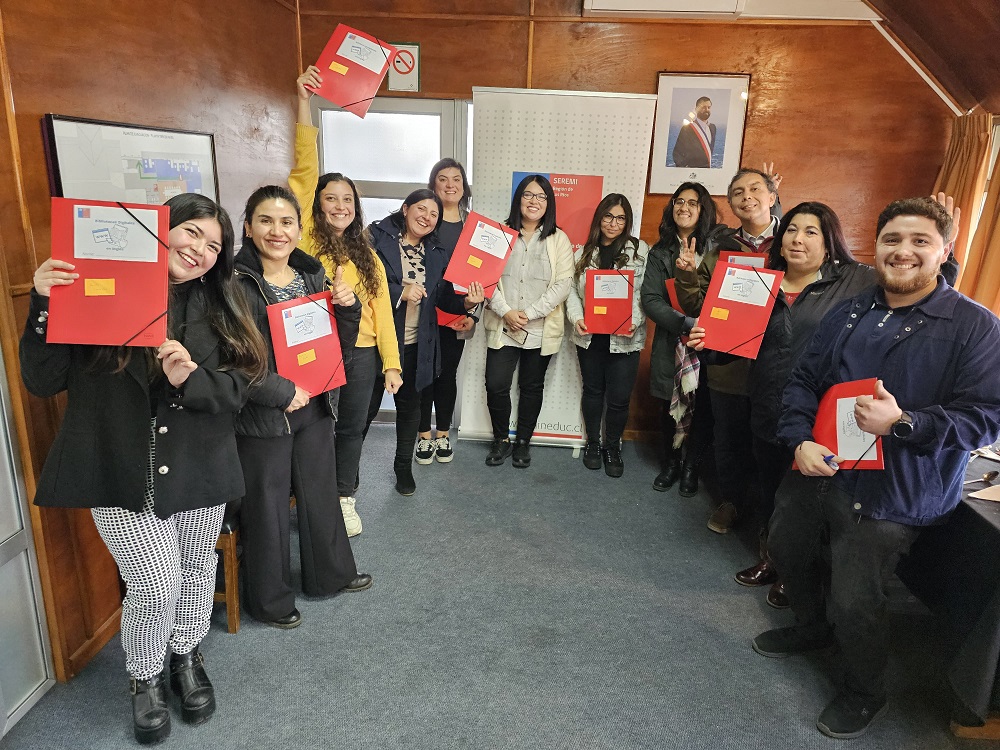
x=333, y=230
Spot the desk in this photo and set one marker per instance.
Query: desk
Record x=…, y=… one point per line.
x=955, y=570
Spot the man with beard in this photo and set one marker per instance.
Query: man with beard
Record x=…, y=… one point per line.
x=696, y=141
x=935, y=354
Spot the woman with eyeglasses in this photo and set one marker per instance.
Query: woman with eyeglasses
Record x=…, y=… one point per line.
x=688, y=222
x=524, y=324
x=406, y=243
x=609, y=363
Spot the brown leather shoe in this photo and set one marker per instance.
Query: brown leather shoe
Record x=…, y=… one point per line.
x=761, y=574
x=723, y=519
x=777, y=597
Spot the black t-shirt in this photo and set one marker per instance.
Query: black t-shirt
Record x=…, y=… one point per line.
x=448, y=233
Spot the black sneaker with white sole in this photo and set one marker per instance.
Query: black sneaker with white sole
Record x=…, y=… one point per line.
x=425, y=451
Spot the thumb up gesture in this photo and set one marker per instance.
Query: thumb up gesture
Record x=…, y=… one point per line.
x=876, y=414
x=340, y=292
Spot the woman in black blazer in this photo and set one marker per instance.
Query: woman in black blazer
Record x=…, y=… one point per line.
x=406, y=243
x=147, y=443
x=285, y=434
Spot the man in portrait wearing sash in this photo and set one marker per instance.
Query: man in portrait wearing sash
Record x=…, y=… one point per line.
x=696, y=141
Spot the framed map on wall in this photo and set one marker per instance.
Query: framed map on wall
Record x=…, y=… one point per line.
x=109, y=161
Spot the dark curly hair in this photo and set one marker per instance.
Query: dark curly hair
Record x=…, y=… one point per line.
x=353, y=244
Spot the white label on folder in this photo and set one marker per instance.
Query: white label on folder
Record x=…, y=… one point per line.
x=852, y=441
x=610, y=286
x=306, y=322
x=106, y=233
x=490, y=240
x=364, y=52
x=744, y=285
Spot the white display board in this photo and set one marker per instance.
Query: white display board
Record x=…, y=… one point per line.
x=566, y=132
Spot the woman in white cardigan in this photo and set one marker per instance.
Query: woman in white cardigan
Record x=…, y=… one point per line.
x=524, y=322
x=609, y=363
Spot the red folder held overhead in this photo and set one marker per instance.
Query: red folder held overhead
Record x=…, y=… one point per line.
x=608, y=300
x=481, y=253
x=737, y=258
x=353, y=65
x=306, y=343
x=120, y=252
x=737, y=307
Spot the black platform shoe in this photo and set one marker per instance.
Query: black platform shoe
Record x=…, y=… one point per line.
x=150, y=716
x=190, y=683
x=406, y=485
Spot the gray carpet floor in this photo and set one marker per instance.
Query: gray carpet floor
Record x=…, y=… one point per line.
x=551, y=607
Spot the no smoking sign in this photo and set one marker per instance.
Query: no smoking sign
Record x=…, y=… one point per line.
x=404, y=73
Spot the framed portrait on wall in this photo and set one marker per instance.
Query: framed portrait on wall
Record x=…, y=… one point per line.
x=112, y=161
x=698, y=130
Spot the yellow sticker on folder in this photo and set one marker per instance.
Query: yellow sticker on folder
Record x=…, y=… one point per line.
x=474, y=261
x=99, y=287
x=309, y=355
x=600, y=310
x=720, y=312
x=337, y=67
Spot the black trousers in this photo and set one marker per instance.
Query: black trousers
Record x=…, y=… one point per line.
x=863, y=556
x=363, y=372
x=734, y=464
x=443, y=393
x=699, y=438
x=305, y=462
x=500, y=366
x=407, y=400
x=773, y=461
x=608, y=379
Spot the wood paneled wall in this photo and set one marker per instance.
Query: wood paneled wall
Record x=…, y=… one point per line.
x=843, y=117
x=223, y=67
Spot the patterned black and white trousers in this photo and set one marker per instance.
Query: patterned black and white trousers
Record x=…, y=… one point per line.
x=169, y=570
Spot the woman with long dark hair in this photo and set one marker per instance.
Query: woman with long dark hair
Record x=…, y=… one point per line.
x=147, y=444
x=524, y=323
x=406, y=243
x=609, y=363
x=285, y=434
x=689, y=220
x=333, y=231
x=449, y=182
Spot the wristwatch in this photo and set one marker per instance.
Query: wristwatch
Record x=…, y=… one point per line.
x=902, y=427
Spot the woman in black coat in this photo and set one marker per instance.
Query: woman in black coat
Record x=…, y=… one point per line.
x=285, y=434
x=147, y=443
x=406, y=243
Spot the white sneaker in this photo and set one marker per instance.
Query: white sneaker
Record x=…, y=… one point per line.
x=425, y=451
x=351, y=518
x=442, y=449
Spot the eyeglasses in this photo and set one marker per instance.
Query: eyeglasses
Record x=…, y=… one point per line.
x=690, y=203
x=613, y=219
x=540, y=197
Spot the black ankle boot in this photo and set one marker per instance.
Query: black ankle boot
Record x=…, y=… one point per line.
x=190, y=683
x=670, y=471
x=688, y=486
x=150, y=717
x=406, y=485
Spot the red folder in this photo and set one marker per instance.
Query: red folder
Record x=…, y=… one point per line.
x=353, y=65
x=608, y=298
x=481, y=253
x=447, y=318
x=672, y=295
x=737, y=258
x=120, y=252
x=859, y=450
x=737, y=307
x=306, y=343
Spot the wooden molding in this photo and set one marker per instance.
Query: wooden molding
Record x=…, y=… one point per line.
x=19, y=290
x=289, y=6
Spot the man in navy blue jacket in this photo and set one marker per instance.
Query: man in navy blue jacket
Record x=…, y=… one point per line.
x=935, y=354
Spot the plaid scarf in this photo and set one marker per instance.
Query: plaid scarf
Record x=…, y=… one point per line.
x=687, y=368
